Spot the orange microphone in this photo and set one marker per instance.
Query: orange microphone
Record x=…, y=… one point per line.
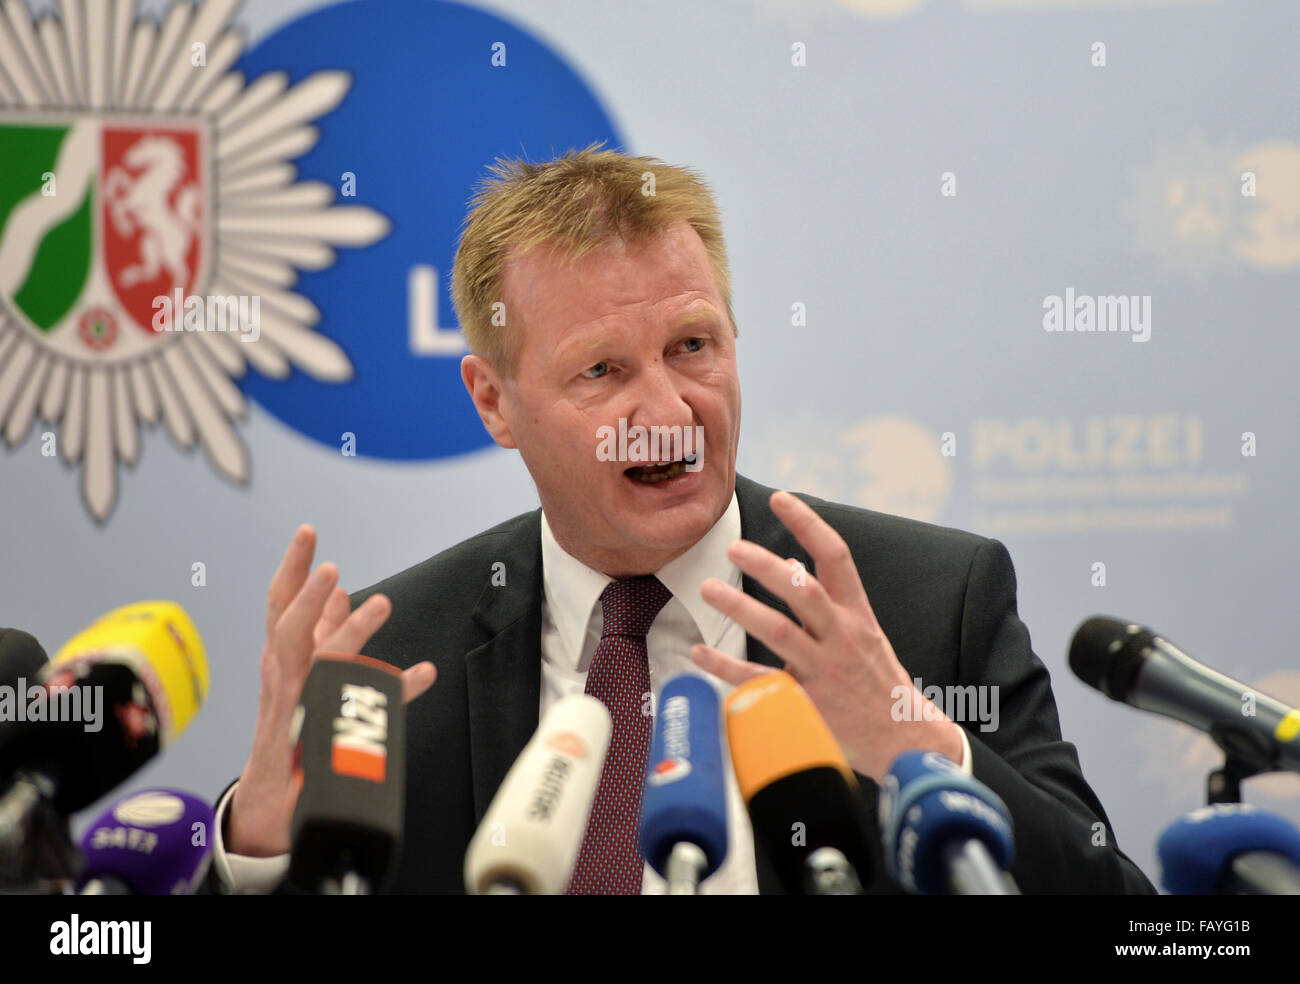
x=802, y=796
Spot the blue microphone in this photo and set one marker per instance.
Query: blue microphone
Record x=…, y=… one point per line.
x=944, y=832
x=684, y=812
x=1230, y=849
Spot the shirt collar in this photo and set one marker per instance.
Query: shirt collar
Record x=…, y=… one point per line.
x=573, y=589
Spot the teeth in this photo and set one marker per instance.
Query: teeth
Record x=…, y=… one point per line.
x=650, y=478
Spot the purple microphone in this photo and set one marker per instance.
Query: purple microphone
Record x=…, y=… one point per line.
x=154, y=842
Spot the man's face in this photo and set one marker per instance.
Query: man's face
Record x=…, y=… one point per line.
x=632, y=332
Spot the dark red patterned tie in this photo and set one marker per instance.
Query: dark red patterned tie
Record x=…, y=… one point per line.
x=611, y=862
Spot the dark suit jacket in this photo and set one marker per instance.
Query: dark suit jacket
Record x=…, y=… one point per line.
x=946, y=599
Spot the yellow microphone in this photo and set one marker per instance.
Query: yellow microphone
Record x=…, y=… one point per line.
x=158, y=640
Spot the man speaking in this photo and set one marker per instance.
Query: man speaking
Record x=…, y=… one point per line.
x=595, y=295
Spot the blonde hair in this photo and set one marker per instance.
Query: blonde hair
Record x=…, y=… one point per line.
x=578, y=202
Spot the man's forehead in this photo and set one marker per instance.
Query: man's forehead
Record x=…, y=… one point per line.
x=548, y=278
x=699, y=316
x=676, y=236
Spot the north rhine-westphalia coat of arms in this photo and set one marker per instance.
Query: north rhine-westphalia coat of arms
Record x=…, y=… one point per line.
x=152, y=229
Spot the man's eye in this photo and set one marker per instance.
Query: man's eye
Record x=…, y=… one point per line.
x=596, y=371
x=692, y=342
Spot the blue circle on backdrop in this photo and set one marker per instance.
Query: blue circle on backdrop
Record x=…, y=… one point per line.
x=426, y=113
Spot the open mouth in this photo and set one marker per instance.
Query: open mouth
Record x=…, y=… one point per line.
x=663, y=472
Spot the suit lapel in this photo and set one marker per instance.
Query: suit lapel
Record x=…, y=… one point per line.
x=759, y=524
x=503, y=675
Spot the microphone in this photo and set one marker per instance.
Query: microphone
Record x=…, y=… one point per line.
x=528, y=840
x=154, y=842
x=801, y=794
x=684, y=810
x=1230, y=849
x=21, y=660
x=109, y=700
x=350, y=767
x=1131, y=664
x=944, y=832
x=21, y=656
x=46, y=866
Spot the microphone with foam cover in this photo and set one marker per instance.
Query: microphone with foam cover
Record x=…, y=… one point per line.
x=684, y=810
x=528, y=840
x=154, y=842
x=1230, y=849
x=801, y=794
x=944, y=832
x=350, y=766
x=108, y=701
x=1131, y=664
x=158, y=641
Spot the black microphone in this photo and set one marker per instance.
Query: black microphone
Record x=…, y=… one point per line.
x=21, y=662
x=21, y=656
x=346, y=833
x=1131, y=664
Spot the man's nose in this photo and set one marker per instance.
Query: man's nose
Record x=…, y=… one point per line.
x=656, y=399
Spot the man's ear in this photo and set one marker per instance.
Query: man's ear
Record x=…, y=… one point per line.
x=484, y=387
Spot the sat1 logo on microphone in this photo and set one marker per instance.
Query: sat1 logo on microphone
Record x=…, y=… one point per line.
x=294, y=208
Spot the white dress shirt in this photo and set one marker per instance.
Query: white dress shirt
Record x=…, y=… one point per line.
x=571, y=626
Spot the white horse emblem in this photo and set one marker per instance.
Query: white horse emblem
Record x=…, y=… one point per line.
x=144, y=202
